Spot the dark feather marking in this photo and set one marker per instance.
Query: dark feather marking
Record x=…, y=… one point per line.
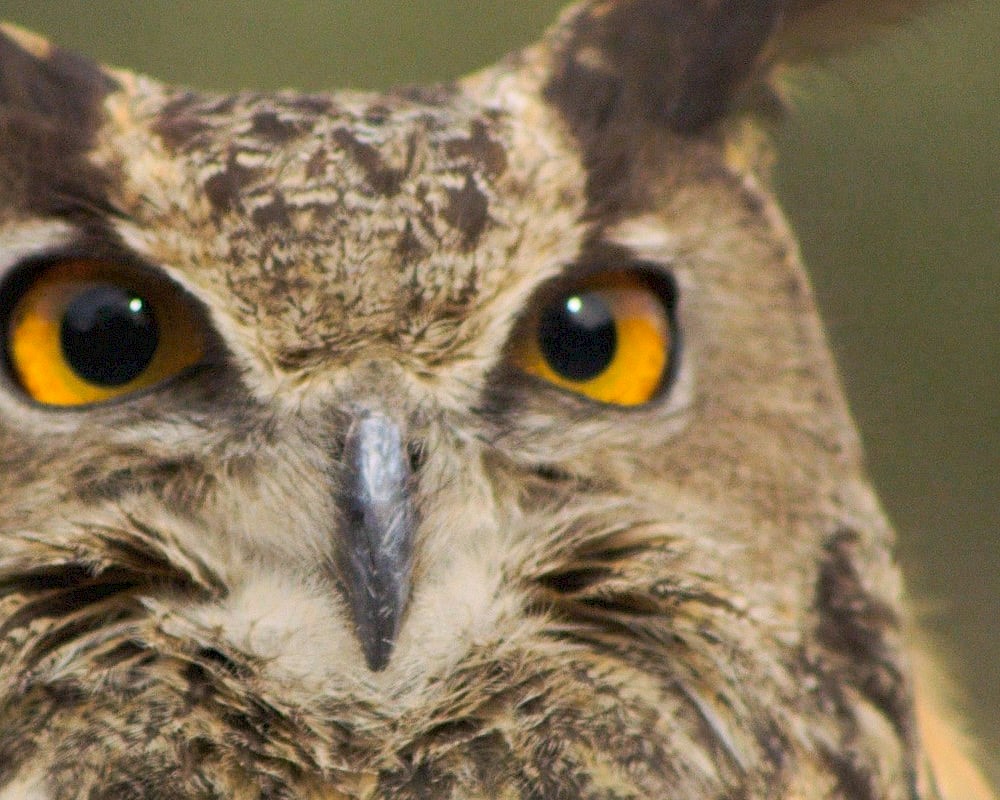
x=409, y=248
x=383, y=179
x=225, y=188
x=66, y=602
x=588, y=605
x=317, y=104
x=482, y=151
x=83, y=596
x=269, y=126
x=274, y=214
x=317, y=163
x=491, y=754
x=468, y=211
x=858, y=629
x=575, y=579
x=857, y=625
x=179, y=124
x=94, y=614
x=419, y=780
x=854, y=780
x=121, y=653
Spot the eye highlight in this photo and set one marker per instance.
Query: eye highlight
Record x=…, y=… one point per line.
x=82, y=332
x=610, y=337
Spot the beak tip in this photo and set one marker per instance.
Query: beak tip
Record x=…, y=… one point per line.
x=377, y=654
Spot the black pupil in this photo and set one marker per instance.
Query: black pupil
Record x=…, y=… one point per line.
x=577, y=336
x=108, y=335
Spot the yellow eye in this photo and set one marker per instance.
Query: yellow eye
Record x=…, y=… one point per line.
x=88, y=331
x=610, y=337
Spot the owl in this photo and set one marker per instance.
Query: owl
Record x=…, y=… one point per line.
x=471, y=441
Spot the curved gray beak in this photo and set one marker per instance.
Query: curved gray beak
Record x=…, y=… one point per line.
x=374, y=554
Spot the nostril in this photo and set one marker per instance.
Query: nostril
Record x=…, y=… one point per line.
x=417, y=454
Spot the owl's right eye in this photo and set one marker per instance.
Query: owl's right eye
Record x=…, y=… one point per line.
x=81, y=331
x=610, y=337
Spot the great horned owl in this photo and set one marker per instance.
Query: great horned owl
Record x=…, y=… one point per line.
x=475, y=441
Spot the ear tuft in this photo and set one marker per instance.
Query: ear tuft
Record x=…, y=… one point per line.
x=683, y=64
x=38, y=78
x=673, y=62
x=51, y=107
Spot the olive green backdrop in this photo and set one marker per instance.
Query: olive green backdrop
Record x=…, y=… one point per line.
x=890, y=173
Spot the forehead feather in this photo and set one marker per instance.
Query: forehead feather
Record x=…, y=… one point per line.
x=405, y=207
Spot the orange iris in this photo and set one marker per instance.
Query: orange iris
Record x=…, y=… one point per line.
x=608, y=338
x=87, y=331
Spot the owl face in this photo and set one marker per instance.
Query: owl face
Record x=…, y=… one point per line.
x=475, y=441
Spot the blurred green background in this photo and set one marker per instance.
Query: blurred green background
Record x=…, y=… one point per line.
x=890, y=173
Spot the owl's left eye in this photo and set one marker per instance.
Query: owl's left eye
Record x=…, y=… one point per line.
x=80, y=332
x=610, y=337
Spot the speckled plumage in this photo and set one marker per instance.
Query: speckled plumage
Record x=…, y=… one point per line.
x=693, y=598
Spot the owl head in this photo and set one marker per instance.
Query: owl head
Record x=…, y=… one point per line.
x=471, y=441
